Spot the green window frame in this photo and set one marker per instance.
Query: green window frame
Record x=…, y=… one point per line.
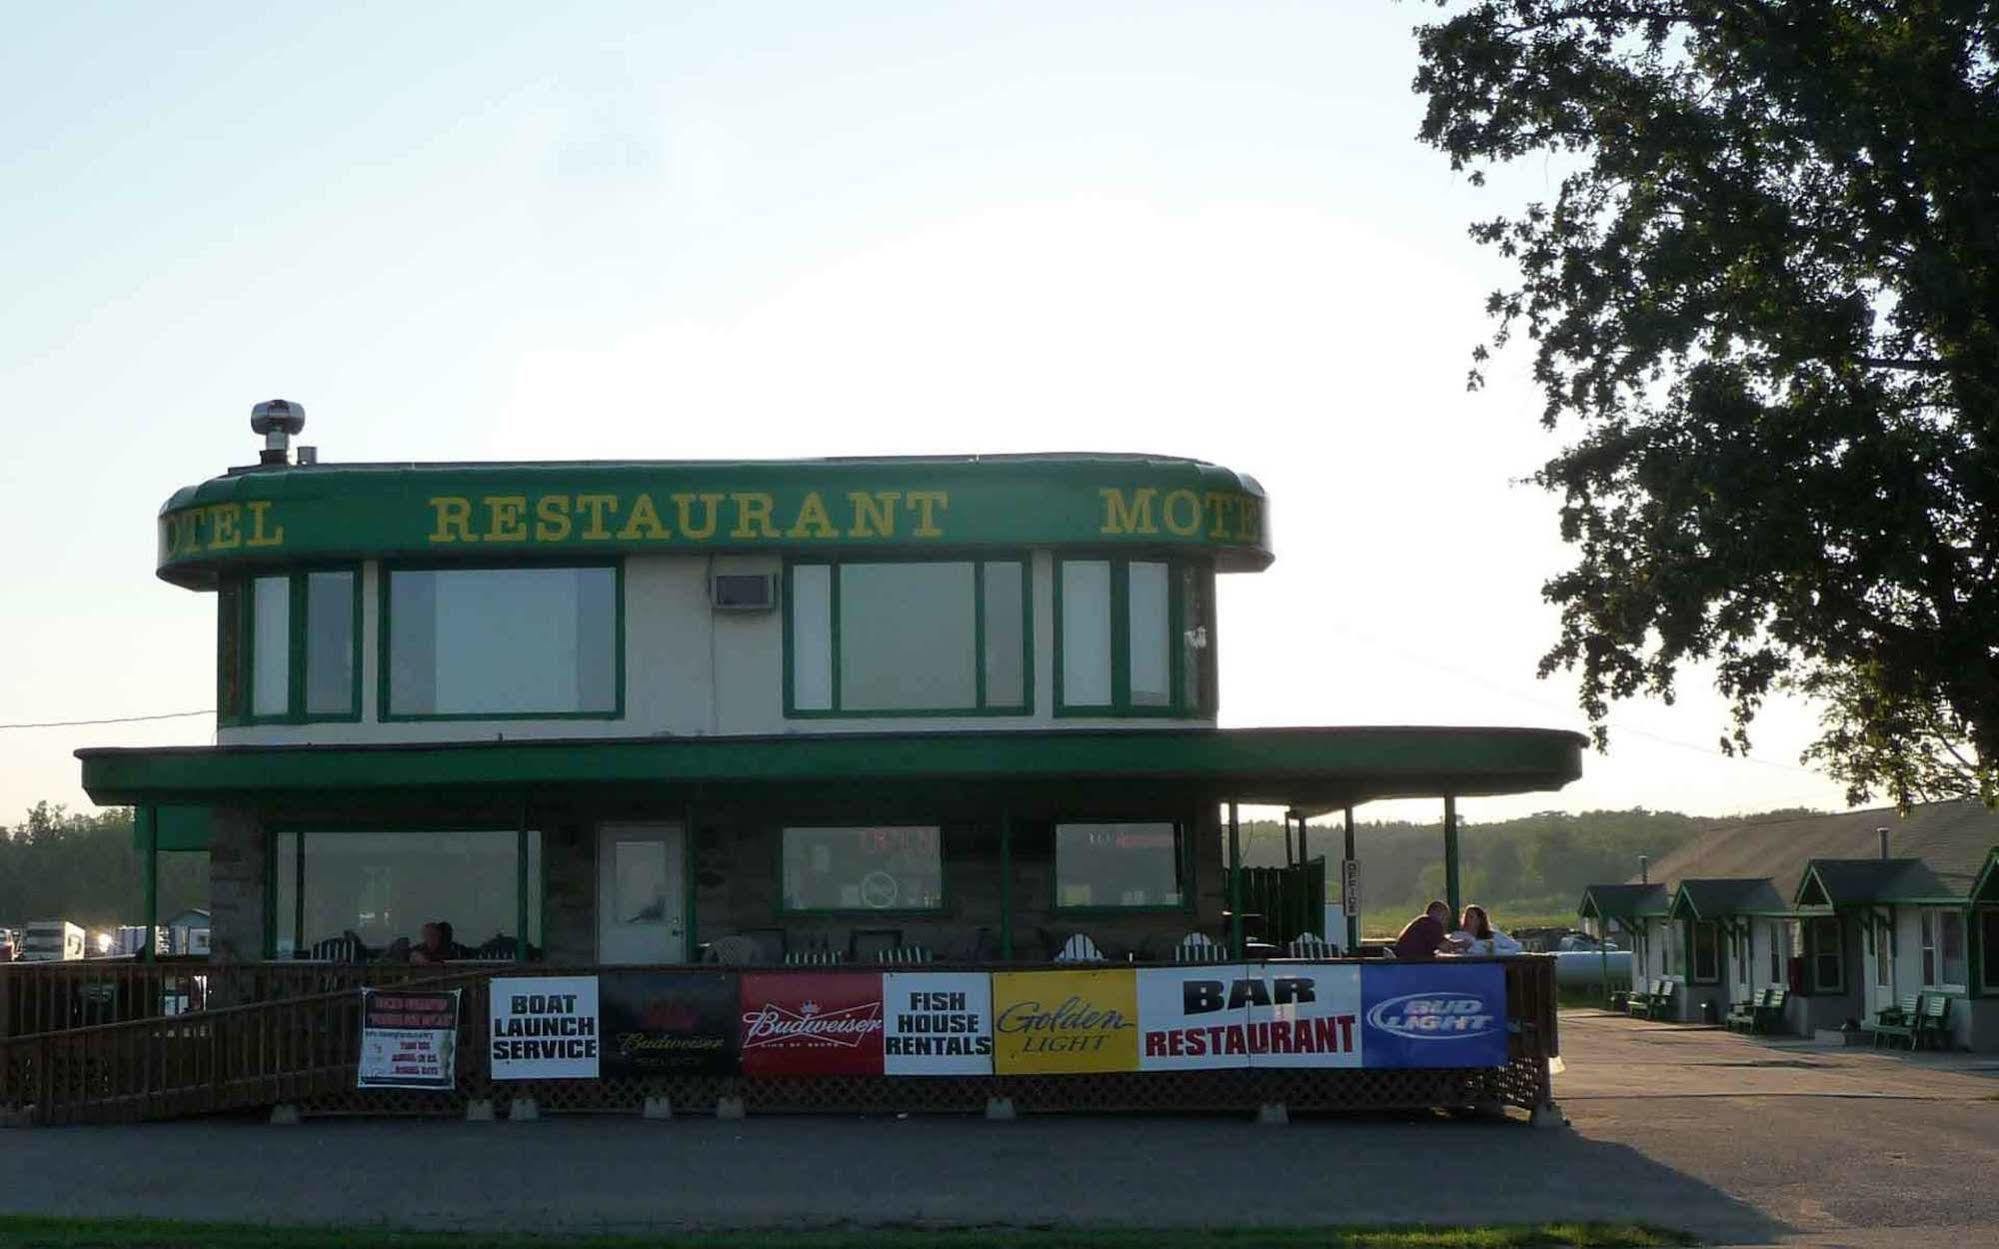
x=1824, y=948
x=531, y=900
x=384, y=651
x=982, y=703
x=1189, y=615
x=784, y=859
x=236, y=648
x=1183, y=865
x=1986, y=928
x=1704, y=951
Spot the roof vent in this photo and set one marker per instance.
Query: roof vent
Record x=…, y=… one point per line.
x=277, y=420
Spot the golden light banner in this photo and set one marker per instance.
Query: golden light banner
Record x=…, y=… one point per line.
x=1048, y=1022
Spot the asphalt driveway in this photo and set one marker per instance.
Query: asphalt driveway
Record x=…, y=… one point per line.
x=1737, y=1140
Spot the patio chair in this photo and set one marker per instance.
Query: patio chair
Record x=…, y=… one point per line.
x=1311, y=945
x=1199, y=947
x=903, y=956
x=818, y=956
x=1079, y=949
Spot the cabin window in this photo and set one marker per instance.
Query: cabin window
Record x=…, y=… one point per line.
x=1944, y=963
x=877, y=868
x=295, y=638
x=366, y=896
x=1824, y=954
x=1707, y=952
x=1988, y=945
x=1133, y=638
x=498, y=642
x=1137, y=864
x=1780, y=947
x=1883, y=932
x=908, y=637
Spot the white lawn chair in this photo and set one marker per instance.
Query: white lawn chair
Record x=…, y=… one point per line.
x=1199, y=947
x=1079, y=949
x=1312, y=945
x=903, y=955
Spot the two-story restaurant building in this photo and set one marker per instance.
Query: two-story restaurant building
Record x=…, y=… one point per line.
x=618, y=713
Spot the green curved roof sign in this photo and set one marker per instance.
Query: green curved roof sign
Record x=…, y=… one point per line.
x=498, y=511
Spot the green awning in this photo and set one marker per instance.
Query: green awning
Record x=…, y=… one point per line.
x=176, y=827
x=1299, y=767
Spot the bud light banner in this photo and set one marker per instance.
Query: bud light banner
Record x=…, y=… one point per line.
x=812, y=1024
x=1434, y=1014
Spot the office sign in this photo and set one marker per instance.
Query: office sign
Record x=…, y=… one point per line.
x=937, y=1024
x=1064, y=1021
x=408, y=1040
x=669, y=1023
x=811, y=1023
x=1434, y=1013
x=544, y=1028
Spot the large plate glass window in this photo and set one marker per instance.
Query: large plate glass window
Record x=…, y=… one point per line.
x=1134, y=638
x=1121, y=864
x=473, y=642
x=877, y=868
x=367, y=896
x=296, y=646
x=908, y=637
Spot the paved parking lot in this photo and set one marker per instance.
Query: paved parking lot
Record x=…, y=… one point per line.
x=1737, y=1140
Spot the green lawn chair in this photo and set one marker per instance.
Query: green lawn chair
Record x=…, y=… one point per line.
x=1932, y=1024
x=1899, y=1021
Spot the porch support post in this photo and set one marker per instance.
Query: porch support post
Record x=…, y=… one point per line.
x=1235, y=883
x=1006, y=884
x=1353, y=921
x=1452, y=893
x=521, y=883
x=149, y=875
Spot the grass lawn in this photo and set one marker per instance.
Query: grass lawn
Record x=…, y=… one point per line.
x=23, y=1232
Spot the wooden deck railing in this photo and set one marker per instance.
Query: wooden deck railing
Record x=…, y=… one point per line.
x=295, y=1037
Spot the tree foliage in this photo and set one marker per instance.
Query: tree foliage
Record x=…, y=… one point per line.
x=58, y=864
x=1763, y=301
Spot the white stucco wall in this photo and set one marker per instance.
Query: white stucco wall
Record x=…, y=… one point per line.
x=689, y=671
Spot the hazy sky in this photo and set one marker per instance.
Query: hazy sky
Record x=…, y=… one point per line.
x=499, y=231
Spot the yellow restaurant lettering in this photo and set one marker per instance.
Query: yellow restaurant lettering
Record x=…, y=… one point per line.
x=1229, y=516
x=746, y=515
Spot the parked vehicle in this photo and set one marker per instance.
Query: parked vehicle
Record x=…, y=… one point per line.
x=52, y=941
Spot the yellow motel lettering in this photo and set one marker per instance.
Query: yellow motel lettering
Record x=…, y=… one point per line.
x=704, y=516
x=1226, y=515
x=222, y=527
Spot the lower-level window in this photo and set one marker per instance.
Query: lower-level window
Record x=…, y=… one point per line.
x=879, y=868
x=1121, y=864
x=1824, y=954
x=1988, y=944
x=402, y=896
x=1944, y=962
x=1707, y=951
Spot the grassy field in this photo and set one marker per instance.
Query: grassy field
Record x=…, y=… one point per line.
x=45, y=1233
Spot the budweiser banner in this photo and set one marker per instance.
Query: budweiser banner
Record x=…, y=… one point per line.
x=544, y=1028
x=408, y=1040
x=1055, y=1021
x=812, y=1023
x=669, y=1022
x=937, y=1024
x=1435, y=1013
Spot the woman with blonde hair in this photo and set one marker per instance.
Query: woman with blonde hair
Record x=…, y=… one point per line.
x=1476, y=935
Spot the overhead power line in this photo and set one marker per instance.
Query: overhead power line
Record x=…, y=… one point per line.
x=71, y=724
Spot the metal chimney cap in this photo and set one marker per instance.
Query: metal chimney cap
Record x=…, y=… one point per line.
x=277, y=416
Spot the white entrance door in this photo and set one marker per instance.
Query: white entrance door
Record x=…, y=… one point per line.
x=1881, y=969
x=641, y=895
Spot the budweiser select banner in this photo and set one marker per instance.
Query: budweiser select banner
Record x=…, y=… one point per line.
x=669, y=1023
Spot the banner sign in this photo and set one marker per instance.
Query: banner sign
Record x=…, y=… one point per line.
x=811, y=1023
x=669, y=1022
x=938, y=1024
x=544, y=1028
x=1212, y=1017
x=408, y=1040
x=1056, y=1021
x=1434, y=1013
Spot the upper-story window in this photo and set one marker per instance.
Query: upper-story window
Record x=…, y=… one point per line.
x=1133, y=637
x=907, y=637
x=290, y=648
x=521, y=641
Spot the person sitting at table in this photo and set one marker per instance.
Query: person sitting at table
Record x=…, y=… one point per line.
x=1425, y=936
x=1476, y=935
x=437, y=946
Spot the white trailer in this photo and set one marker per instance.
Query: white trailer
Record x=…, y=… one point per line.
x=52, y=941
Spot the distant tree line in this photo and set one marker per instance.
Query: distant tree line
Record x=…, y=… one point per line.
x=83, y=867
x=1536, y=866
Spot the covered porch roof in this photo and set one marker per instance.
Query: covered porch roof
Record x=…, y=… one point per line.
x=1871, y=882
x=1721, y=899
x=1623, y=902
x=1306, y=769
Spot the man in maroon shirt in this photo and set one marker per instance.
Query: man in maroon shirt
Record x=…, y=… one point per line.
x=1425, y=934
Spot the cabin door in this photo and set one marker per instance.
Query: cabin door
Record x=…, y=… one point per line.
x=641, y=894
x=1880, y=953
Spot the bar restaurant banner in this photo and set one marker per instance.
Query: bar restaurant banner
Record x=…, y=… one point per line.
x=669, y=1023
x=544, y=1028
x=811, y=1023
x=1232, y=1016
x=408, y=1040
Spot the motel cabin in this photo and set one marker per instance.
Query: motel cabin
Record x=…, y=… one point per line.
x=949, y=710
x=1851, y=913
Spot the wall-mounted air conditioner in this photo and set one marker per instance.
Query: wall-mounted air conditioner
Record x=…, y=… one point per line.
x=743, y=591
